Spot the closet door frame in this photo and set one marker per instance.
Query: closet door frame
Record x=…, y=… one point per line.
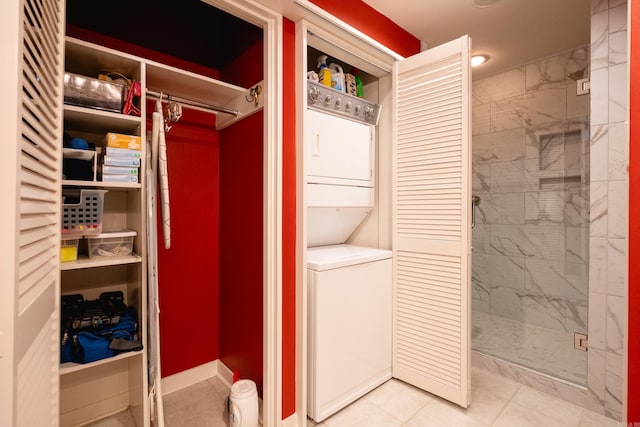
x=271, y=23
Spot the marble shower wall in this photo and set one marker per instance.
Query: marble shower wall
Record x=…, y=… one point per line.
x=608, y=200
x=609, y=203
x=531, y=172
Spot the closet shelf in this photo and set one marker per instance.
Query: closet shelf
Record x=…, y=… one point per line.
x=92, y=120
x=167, y=80
x=86, y=262
x=185, y=84
x=70, y=367
x=100, y=184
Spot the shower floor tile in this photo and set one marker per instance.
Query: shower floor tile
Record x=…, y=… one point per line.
x=541, y=349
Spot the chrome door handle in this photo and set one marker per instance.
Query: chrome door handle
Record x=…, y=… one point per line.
x=475, y=201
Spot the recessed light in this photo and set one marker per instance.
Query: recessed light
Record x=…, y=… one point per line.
x=478, y=60
x=485, y=3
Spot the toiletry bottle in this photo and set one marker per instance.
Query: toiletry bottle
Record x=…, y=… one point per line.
x=359, y=91
x=324, y=74
x=337, y=77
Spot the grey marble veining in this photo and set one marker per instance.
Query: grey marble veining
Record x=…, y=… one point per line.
x=553, y=71
x=614, y=385
x=618, y=151
x=505, y=85
x=598, y=249
x=616, y=324
x=600, y=40
x=531, y=240
x=616, y=267
x=618, y=94
x=599, y=150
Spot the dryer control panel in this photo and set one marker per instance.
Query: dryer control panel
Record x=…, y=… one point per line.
x=328, y=100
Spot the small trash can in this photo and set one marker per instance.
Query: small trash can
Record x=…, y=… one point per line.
x=243, y=408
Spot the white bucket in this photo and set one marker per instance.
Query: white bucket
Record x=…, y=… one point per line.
x=243, y=408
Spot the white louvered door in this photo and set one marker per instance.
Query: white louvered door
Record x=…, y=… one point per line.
x=32, y=338
x=431, y=221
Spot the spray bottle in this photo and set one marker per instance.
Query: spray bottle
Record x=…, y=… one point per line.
x=359, y=91
x=324, y=74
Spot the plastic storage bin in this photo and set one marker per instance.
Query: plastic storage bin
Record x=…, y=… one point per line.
x=93, y=93
x=111, y=244
x=82, y=214
x=68, y=250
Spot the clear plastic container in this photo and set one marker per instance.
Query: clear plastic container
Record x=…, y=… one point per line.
x=69, y=250
x=111, y=244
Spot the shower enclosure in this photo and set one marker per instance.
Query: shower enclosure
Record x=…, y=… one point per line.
x=531, y=231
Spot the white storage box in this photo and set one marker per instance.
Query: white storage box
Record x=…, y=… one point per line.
x=111, y=244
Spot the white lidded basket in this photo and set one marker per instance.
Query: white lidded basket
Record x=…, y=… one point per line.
x=243, y=409
x=83, y=218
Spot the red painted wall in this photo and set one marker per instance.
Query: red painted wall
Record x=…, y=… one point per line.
x=289, y=220
x=188, y=271
x=241, y=245
x=363, y=17
x=633, y=390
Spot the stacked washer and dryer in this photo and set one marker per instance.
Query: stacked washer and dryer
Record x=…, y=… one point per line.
x=349, y=287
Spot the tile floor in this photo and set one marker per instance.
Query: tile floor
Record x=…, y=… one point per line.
x=544, y=350
x=496, y=402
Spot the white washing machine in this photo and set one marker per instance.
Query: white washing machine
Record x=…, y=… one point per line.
x=349, y=325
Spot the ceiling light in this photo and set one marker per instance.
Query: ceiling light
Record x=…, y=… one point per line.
x=478, y=60
x=484, y=3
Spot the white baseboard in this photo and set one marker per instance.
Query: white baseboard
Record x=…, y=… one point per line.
x=225, y=375
x=291, y=421
x=190, y=377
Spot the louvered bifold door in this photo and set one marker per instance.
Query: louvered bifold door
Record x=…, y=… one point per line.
x=36, y=339
x=431, y=227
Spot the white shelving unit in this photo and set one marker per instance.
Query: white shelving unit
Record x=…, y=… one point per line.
x=92, y=391
x=95, y=390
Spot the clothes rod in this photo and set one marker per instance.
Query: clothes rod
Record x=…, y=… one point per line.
x=191, y=104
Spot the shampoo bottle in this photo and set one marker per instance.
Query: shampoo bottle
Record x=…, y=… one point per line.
x=324, y=74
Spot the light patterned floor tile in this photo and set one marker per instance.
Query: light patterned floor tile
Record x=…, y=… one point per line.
x=121, y=419
x=437, y=413
x=362, y=414
x=591, y=419
x=495, y=402
x=489, y=395
x=398, y=399
x=516, y=414
x=547, y=405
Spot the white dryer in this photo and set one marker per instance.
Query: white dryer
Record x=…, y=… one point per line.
x=349, y=298
x=349, y=327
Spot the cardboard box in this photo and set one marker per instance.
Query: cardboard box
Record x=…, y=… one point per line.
x=122, y=152
x=121, y=161
x=350, y=81
x=119, y=140
x=119, y=178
